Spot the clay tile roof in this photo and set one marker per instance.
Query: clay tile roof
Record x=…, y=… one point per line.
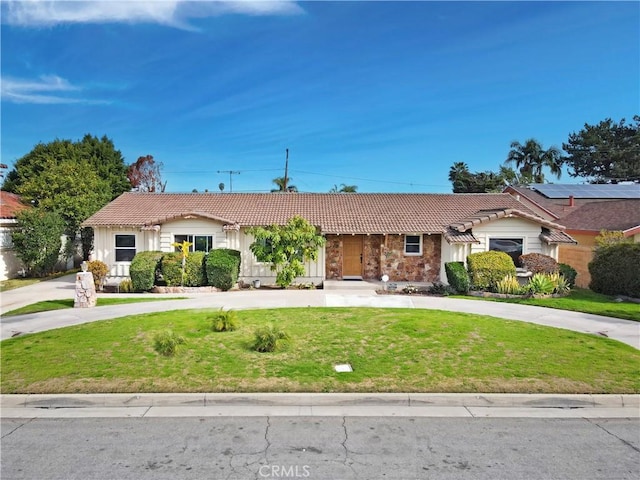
x=483, y=216
x=453, y=236
x=618, y=215
x=345, y=213
x=551, y=236
x=10, y=205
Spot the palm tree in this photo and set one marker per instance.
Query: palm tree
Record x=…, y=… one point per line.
x=459, y=176
x=344, y=189
x=281, y=182
x=531, y=158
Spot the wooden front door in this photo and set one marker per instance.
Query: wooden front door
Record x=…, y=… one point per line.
x=352, y=256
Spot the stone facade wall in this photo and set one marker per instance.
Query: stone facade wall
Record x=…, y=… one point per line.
x=372, y=248
x=380, y=258
x=333, y=257
x=404, y=268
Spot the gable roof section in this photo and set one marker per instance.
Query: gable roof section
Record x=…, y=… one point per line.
x=343, y=213
x=485, y=216
x=619, y=215
x=10, y=205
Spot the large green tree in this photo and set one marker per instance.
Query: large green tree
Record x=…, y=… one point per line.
x=36, y=239
x=287, y=247
x=73, y=179
x=608, y=152
x=531, y=159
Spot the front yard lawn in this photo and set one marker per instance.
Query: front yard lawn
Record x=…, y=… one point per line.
x=580, y=300
x=391, y=350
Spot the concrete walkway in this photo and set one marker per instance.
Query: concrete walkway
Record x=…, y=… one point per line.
x=623, y=330
x=320, y=405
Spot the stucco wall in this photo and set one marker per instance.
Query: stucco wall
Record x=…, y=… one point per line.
x=579, y=256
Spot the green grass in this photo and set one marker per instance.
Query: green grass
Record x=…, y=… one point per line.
x=391, y=350
x=580, y=300
x=48, y=305
x=13, y=283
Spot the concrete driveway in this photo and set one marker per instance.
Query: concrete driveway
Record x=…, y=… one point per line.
x=340, y=294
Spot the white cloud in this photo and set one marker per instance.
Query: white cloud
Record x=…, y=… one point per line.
x=48, y=89
x=175, y=13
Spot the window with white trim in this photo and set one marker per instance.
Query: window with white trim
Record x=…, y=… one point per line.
x=199, y=243
x=125, y=248
x=413, y=244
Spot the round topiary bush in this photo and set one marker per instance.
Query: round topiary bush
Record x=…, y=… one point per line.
x=539, y=263
x=486, y=269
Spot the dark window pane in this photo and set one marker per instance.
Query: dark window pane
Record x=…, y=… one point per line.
x=126, y=241
x=125, y=254
x=510, y=246
x=413, y=249
x=203, y=243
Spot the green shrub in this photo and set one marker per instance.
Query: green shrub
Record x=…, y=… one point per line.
x=486, y=269
x=457, y=276
x=560, y=284
x=509, y=285
x=166, y=343
x=269, y=339
x=539, y=263
x=143, y=270
x=126, y=286
x=439, y=288
x=222, y=268
x=615, y=270
x=541, y=284
x=224, y=321
x=171, y=268
x=99, y=270
x=569, y=273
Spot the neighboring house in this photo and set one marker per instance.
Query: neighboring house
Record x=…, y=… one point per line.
x=406, y=236
x=10, y=206
x=584, y=210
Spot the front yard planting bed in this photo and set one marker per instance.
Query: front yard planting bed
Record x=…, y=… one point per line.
x=580, y=300
x=391, y=350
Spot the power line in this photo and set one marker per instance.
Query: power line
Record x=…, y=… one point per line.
x=230, y=172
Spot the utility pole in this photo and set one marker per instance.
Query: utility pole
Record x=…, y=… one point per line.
x=230, y=172
x=286, y=172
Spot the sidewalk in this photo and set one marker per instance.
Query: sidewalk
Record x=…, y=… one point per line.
x=320, y=405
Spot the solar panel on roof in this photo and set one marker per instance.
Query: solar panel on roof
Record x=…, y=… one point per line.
x=551, y=190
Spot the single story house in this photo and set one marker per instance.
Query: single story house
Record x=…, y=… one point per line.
x=584, y=210
x=10, y=206
x=408, y=237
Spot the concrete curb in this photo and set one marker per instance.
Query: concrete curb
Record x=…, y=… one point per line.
x=411, y=400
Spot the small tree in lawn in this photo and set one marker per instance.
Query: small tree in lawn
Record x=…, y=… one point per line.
x=184, y=249
x=287, y=247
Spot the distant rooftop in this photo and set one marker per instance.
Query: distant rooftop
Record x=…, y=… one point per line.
x=602, y=191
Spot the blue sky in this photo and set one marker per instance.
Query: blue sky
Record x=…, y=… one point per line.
x=383, y=95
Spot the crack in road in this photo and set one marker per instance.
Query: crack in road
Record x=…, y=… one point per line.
x=346, y=450
x=614, y=435
x=19, y=427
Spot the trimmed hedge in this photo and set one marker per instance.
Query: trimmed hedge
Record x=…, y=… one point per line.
x=569, y=273
x=539, y=263
x=223, y=267
x=457, y=276
x=486, y=269
x=143, y=270
x=615, y=270
x=194, y=274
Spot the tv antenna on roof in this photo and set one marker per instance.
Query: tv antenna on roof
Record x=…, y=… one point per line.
x=230, y=172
